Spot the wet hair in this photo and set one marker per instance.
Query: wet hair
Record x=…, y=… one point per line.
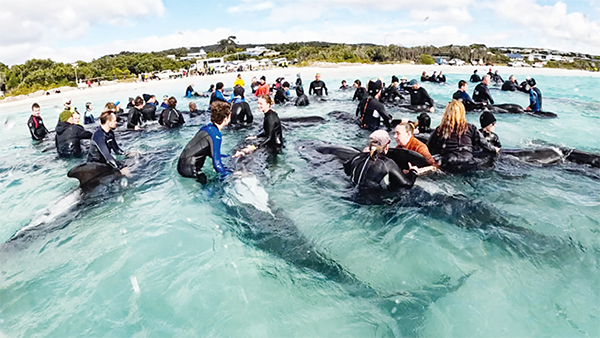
x=343, y=81
x=35, y=105
x=192, y=106
x=286, y=84
x=106, y=116
x=408, y=126
x=110, y=106
x=461, y=83
x=138, y=101
x=267, y=98
x=219, y=111
x=220, y=85
x=357, y=81
x=88, y=105
x=454, y=120
x=172, y=103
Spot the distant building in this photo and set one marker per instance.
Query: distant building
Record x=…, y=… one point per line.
x=515, y=56
x=543, y=57
x=171, y=56
x=260, y=50
x=191, y=56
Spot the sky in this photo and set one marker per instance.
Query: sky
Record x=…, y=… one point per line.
x=71, y=30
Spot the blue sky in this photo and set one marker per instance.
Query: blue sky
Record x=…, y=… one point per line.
x=70, y=30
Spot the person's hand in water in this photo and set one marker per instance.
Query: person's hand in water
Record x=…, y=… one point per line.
x=125, y=172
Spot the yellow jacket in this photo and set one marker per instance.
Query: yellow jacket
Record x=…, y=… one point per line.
x=238, y=82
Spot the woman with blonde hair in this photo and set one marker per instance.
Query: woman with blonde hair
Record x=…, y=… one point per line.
x=455, y=139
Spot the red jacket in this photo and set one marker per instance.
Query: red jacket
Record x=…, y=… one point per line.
x=262, y=90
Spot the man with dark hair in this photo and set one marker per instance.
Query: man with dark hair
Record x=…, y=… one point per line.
x=475, y=77
x=535, y=97
x=482, y=92
x=391, y=92
x=317, y=86
x=280, y=94
x=69, y=135
x=217, y=95
x=103, y=143
x=371, y=111
x=149, y=109
x=263, y=87
x=135, y=116
x=206, y=142
x=240, y=109
x=462, y=95
x=361, y=92
x=36, y=124
x=511, y=85
x=419, y=96
x=88, y=118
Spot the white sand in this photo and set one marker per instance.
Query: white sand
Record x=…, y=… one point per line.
x=307, y=74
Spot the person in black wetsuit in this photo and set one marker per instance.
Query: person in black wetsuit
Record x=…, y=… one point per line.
x=404, y=84
x=371, y=169
x=88, y=117
x=419, y=96
x=461, y=95
x=511, y=85
x=69, y=135
x=482, y=92
x=424, y=77
x=36, y=124
x=496, y=78
x=149, y=108
x=271, y=138
x=301, y=98
x=391, y=93
x=206, y=142
x=455, y=139
x=299, y=81
x=361, y=92
x=524, y=86
x=240, y=109
x=317, y=86
x=424, y=124
x=441, y=78
x=217, y=95
x=475, y=77
x=280, y=93
x=103, y=142
x=194, y=111
x=135, y=116
x=488, y=124
x=171, y=117
x=434, y=77
x=344, y=85
x=371, y=111
x=535, y=97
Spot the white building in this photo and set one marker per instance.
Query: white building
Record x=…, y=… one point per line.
x=543, y=57
x=191, y=56
x=260, y=50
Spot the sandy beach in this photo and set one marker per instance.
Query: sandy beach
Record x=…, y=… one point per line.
x=327, y=69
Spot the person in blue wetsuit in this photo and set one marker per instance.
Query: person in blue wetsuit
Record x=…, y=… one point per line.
x=103, y=142
x=462, y=95
x=217, y=95
x=206, y=142
x=189, y=92
x=535, y=97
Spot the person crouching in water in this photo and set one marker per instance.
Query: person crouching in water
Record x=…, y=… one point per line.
x=171, y=117
x=103, y=143
x=371, y=111
x=488, y=124
x=455, y=139
x=240, y=109
x=404, y=136
x=69, y=134
x=206, y=142
x=371, y=169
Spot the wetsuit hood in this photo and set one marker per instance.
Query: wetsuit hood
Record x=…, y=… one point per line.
x=299, y=91
x=61, y=127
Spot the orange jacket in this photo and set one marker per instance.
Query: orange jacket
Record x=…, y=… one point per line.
x=262, y=90
x=420, y=147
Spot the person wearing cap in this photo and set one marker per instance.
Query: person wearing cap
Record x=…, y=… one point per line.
x=301, y=98
x=206, y=142
x=135, y=115
x=370, y=111
x=238, y=81
x=524, y=86
x=36, y=123
x=405, y=138
x=482, y=92
x=419, y=96
x=361, y=92
x=372, y=170
x=165, y=103
x=66, y=113
x=171, y=117
x=217, y=95
x=263, y=88
x=149, y=108
x=535, y=97
x=488, y=124
x=69, y=134
x=317, y=86
x=391, y=92
x=240, y=109
x=280, y=94
x=475, y=77
x=511, y=85
x=454, y=140
x=103, y=142
x=423, y=127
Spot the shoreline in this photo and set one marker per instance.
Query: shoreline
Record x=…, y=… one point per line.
x=322, y=67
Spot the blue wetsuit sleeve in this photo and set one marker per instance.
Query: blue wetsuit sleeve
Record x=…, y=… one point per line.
x=100, y=142
x=219, y=95
x=216, y=153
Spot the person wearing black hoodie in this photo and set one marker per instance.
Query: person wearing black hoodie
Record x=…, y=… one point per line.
x=149, y=109
x=68, y=136
x=240, y=109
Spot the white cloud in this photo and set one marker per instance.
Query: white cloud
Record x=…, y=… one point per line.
x=43, y=23
x=250, y=7
x=553, y=25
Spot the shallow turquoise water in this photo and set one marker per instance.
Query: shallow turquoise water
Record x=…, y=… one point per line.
x=163, y=256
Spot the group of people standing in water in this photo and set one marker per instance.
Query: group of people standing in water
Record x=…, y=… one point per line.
x=453, y=146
